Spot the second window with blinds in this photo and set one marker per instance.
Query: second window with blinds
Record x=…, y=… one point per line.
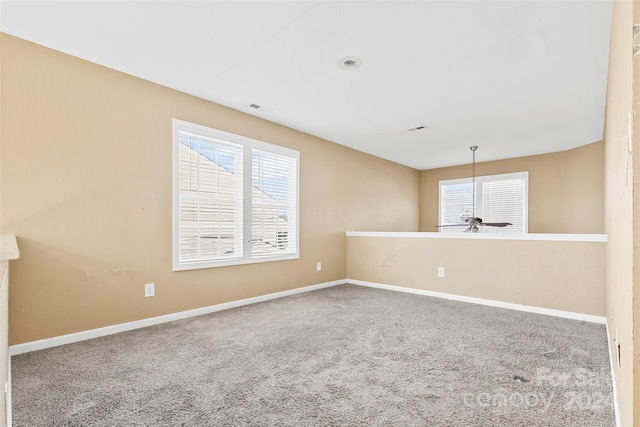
x=235, y=199
x=498, y=198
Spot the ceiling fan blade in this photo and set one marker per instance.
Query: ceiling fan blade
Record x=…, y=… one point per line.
x=495, y=224
x=451, y=225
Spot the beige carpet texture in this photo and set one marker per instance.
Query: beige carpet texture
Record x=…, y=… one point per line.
x=341, y=356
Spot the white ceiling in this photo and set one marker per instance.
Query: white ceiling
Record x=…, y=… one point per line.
x=513, y=77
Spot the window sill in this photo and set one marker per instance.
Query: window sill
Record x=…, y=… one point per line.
x=231, y=262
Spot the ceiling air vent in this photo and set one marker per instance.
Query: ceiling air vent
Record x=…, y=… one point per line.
x=258, y=107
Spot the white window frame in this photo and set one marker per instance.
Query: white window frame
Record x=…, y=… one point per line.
x=478, y=189
x=248, y=145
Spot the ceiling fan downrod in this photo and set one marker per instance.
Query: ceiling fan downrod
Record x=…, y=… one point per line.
x=473, y=149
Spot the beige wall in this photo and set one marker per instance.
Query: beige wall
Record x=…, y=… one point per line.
x=619, y=212
x=566, y=189
x=632, y=328
x=86, y=187
x=533, y=273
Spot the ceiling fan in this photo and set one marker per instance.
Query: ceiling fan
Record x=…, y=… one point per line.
x=473, y=222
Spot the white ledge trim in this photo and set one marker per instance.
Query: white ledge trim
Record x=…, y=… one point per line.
x=8, y=248
x=483, y=236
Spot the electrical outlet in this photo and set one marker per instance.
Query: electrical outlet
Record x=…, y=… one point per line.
x=149, y=290
x=319, y=266
x=440, y=271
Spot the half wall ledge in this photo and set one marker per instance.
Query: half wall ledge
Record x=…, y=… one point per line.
x=565, y=272
x=481, y=236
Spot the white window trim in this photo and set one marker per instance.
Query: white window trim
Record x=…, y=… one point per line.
x=248, y=145
x=467, y=180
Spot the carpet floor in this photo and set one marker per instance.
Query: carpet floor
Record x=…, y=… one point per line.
x=341, y=356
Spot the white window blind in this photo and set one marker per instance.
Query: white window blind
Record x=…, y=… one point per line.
x=499, y=198
x=273, y=207
x=503, y=200
x=223, y=216
x=210, y=199
x=456, y=202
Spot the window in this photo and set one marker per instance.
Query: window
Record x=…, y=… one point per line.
x=499, y=198
x=235, y=199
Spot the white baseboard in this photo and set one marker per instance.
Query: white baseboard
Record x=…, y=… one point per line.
x=109, y=330
x=17, y=349
x=616, y=405
x=137, y=324
x=492, y=303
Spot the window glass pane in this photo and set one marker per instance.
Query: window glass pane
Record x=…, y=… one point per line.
x=503, y=201
x=210, y=203
x=457, y=204
x=273, y=198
